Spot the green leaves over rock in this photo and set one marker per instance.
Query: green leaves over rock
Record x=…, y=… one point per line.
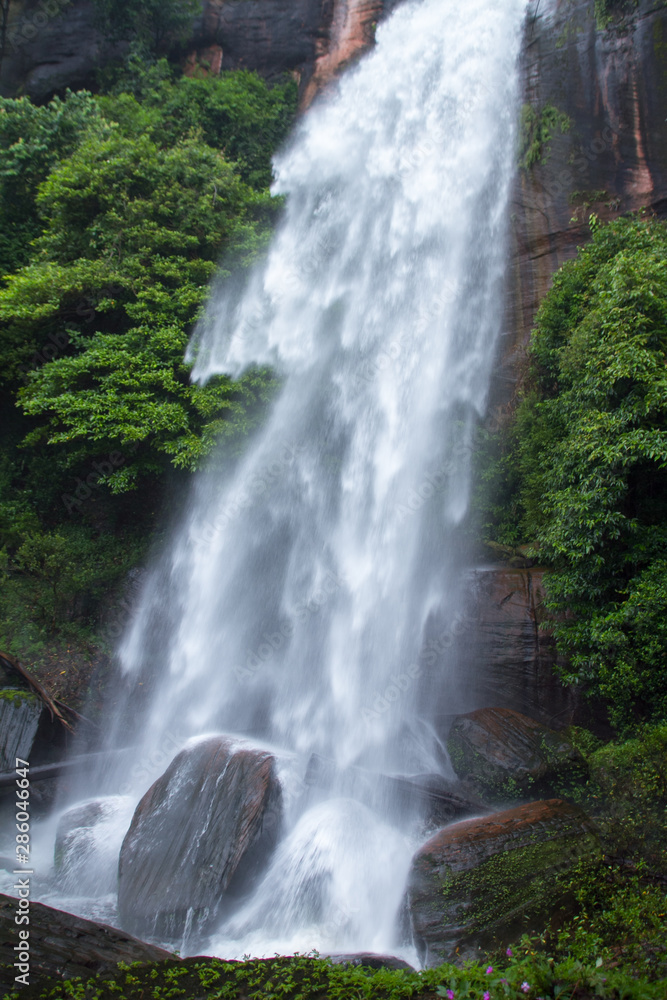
x=592, y=453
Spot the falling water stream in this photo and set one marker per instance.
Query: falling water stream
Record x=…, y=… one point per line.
x=305, y=584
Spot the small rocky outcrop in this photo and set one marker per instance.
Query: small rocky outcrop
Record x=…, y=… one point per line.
x=479, y=883
x=33, y=726
x=505, y=656
x=369, y=960
x=199, y=837
x=505, y=754
x=20, y=712
x=65, y=946
x=88, y=840
x=430, y=796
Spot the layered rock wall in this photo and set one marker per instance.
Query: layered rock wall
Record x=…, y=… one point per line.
x=610, y=158
x=54, y=44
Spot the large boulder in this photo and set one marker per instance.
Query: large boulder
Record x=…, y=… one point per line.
x=65, y=946
x=198, y=837
x=505, y=754
x=479, y=883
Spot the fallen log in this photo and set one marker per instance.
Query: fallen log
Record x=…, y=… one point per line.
x=13, y=666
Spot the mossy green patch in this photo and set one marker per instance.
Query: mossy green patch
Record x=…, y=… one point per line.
x=537, y=131
x=523, y=881
x=18, y=696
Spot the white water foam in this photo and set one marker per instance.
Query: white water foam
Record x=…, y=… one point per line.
x=296, y=602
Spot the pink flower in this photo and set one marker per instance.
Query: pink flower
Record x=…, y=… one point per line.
x=450, y=994
x=525, y=987
x=489, y=970
x=487, y=996
x=509, y=952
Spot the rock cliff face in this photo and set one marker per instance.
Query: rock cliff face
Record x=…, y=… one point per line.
x=53, y=44
x=609, y=158
x=608, y=84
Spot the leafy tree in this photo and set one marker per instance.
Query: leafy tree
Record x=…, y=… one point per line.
x=592, y=454
x=135, y=231
x=32, y=140
x=114, y=214
x=235, y=112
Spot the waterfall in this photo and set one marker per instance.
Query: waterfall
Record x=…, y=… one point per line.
x=301, y=603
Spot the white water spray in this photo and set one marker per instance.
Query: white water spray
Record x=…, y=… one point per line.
x=298, y=600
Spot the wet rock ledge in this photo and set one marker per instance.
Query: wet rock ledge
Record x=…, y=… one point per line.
x=64, y=946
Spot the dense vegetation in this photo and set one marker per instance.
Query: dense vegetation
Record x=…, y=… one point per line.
x=115, y=211
x=581, y=473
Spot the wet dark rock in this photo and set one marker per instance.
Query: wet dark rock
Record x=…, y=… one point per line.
x=64, y=946
x=20, y=714
x=481, y=883
x=430, y=796
x=61, y=46
x=505, y=655
x=199, y=837
x=369, y=960
x=505, y=754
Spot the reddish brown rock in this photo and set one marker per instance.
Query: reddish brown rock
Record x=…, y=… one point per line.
x=199, y=836
x=65, y=946
x=612, y=159
x=504, y=754
x=482, y=882
x=351, y=32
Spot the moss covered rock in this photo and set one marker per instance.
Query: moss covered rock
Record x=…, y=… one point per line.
x=506, y=755
x=479, y=883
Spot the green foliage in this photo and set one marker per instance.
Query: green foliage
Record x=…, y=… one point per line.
x=115, y=212
x=588, y=452
x=537, y=129
x=234, y=112
x=32, y=140
x=528, y=972
x=132, y=231
x=629, y=784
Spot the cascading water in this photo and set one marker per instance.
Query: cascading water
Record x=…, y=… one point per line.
x=300, y=597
